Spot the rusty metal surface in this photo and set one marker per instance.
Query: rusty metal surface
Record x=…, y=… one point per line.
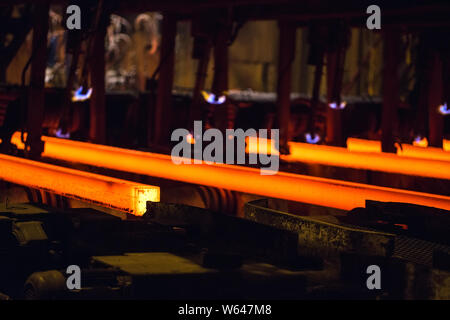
x=321, y=235
x=153, y=263
x=227, y=233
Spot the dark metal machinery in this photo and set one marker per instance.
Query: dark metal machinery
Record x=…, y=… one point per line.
x=180, y=252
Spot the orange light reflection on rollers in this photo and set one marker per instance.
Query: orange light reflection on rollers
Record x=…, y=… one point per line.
x=105, y=191
x=313, y=190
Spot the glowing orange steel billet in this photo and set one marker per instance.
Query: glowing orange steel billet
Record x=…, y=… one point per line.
x=412, y=161
x=407, y=150
x=367, y=155
x=385, y=162
x=260, y=145
x=105, y=191
x=363, y=145
x=403, y=150
x=313, y=190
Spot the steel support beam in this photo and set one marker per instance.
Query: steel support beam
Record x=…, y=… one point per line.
x=435, y=99
x=163, y=110
x=286, y=55
x=97, y=129
x=36, y=99
x=391, y=96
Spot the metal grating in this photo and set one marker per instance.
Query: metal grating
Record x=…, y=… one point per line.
x=416, y=250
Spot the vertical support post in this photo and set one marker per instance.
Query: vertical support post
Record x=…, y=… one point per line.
x=220, y=79
x=305, y=78
x=391, y=97
x=163, y=109
x=335, y=64
x=435, y=99
x=421, y=89
x=315, y=98
x=446, y=82
x=75, y=41
x=97, y=131
x=286, y=56
x=202, y=48
x=339, y=35
x=36, y=94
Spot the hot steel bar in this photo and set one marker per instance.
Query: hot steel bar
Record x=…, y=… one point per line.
x=410, y=161
x=313, y=190
x=367, y=155
x=341, y=157
x=105, y=191
x=405, y=150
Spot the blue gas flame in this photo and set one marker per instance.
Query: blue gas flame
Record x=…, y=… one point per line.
x=333, y=105
x=309, y=138
x=79, y=96
x=443, y=109
x=59, y=134
x=212, y=99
